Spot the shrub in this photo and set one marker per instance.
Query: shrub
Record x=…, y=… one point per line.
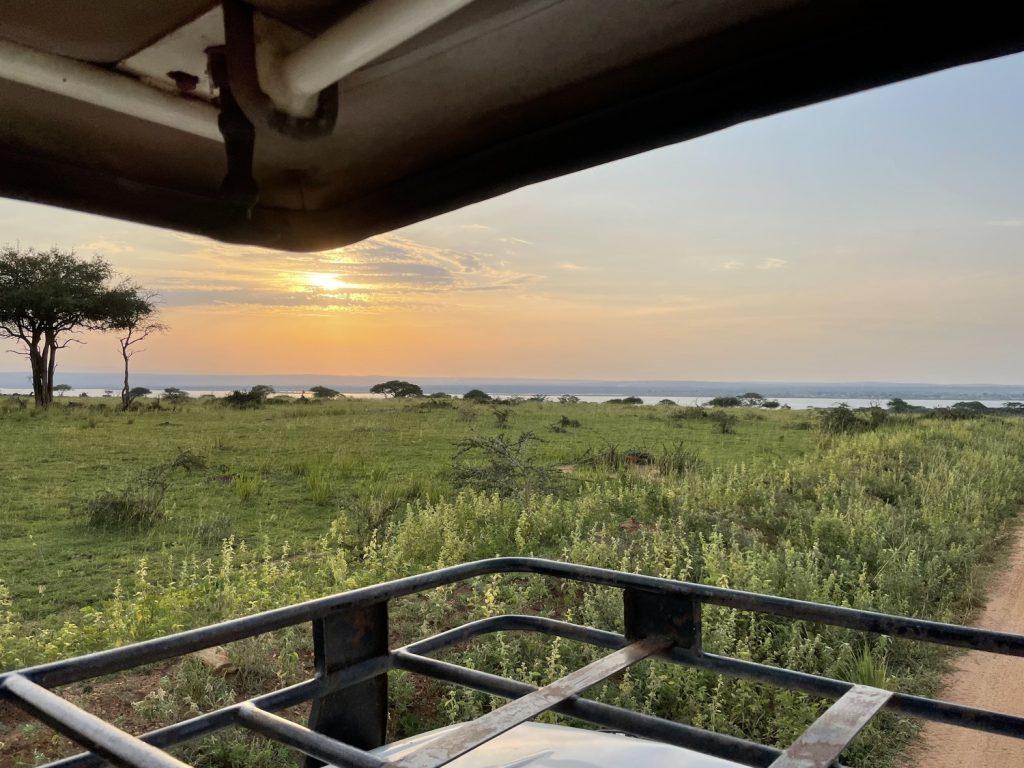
x=840, y=420
x=254, y=398
x=631, y=400
x=501, y=416
x=568, y=399
x=247, y=485
x=504, y=466
x=726, y=422
x=139, y=504
x=564, y=424
x=728, y=401
x=666, y=401
x=477, y=396
x=954, y=414
x=688, y=413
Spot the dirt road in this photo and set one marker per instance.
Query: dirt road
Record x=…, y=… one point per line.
x=984, y=680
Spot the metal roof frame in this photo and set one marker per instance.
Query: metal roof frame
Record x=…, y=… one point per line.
x=349, y=691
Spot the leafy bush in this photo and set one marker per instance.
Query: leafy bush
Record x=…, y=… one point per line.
x=568, y=399
x=841, y=420
x=477, y=396
x=725, y=401
x=503, y=466
x=631, y=400
x=688, y=413
x=254, y=398
x=139, y=504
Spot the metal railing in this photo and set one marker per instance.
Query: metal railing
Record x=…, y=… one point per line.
x=352, y=657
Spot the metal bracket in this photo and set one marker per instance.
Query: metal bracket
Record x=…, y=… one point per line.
x=238, y=186
x=240, y=44
x=650, y=614
x=356, y=715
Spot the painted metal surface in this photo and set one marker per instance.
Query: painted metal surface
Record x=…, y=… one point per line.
x=539, y=745
x=353, y=657
x=457, y=742
x=820, y=745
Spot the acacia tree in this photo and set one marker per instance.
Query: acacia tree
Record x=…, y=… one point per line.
x=133, y=316
x=46, y=297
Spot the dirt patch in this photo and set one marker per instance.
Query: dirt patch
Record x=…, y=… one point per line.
x=983, y=680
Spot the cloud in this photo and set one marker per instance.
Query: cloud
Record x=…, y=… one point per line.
x=104, y=247
x=384, y=271
x=572, y=267
x=1007, y=223
x=772, y=264
x=731, y=265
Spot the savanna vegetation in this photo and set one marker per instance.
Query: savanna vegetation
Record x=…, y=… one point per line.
x=123, y=525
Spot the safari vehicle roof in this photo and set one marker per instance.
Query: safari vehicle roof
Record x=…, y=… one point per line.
x=451, y=102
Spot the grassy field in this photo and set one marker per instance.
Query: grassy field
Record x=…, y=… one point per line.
x=284, y=471
x=264, y=507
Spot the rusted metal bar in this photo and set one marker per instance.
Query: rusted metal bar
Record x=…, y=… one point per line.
x=452, y=744
x=310, y=742
x=820, y=745
x=88, y=730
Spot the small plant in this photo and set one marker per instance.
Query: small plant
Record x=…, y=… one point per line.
x=189, y=460
x=564, y=424
x=320, y=482
x=138, y=505
x=631, y=400
x=501, y=416
x=678, y=460
x=247, y=486
x=726, y=422
x=568, y=399
x=477, y=396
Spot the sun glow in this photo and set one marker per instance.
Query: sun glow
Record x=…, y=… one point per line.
x=324, y=281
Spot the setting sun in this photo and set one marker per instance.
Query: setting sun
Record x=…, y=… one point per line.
x=325, y=281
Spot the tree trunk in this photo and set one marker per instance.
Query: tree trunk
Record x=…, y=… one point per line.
x=125, y=398
x=38, y=387
x=51, y=366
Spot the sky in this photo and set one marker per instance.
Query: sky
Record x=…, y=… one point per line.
x=877, y=237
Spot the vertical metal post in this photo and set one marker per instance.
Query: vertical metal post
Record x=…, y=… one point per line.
x=356, y=715
x=650, y=614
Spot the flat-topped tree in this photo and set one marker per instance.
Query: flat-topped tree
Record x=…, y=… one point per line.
x=321, y=392
x=396, y=388
x=46, y=297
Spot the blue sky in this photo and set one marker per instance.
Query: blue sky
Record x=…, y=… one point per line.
x=879, y=236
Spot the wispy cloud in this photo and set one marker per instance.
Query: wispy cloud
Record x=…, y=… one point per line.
x=772, y=264
x=570, y=267
x=731, y=265
x=381, y=272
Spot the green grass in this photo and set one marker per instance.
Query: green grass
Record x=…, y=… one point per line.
x=284, y=471
x=910, y=517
